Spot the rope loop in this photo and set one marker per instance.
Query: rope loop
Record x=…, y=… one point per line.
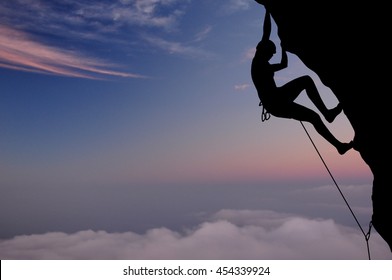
x=265, y=116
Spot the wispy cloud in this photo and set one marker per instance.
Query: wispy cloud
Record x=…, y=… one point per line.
x=148, y=12
x=37, y=36
x=174, y=47
x=19, y=52
x=106, y=16
x=249, y=54
x=241, y=87
x=229, y=234
x=203, y=34
x=233, y=6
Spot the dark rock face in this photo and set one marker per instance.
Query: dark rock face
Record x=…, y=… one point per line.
x=345, y=43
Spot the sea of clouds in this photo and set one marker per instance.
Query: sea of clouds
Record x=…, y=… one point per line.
x=227, y=234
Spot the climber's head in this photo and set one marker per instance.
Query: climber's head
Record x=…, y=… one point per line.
x=266, y=47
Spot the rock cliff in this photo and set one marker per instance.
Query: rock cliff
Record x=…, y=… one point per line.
x=345, y=43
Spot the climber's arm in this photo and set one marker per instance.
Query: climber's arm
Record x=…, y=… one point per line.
x=283, y=63
x=266, y=26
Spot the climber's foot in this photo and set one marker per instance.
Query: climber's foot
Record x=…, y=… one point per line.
x=344, y=147
x=332, y=113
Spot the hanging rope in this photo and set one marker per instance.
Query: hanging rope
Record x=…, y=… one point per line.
x=366, y=235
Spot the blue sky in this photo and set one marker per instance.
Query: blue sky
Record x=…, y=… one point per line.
x=129, y=116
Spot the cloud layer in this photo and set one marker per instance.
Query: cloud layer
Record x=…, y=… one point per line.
x=229, y=234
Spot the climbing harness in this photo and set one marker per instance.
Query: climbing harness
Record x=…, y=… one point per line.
x=366, y=235
x=265, y=115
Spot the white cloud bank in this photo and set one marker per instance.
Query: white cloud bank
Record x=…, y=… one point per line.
x=229, y=234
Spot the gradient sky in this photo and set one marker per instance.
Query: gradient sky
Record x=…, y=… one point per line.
x=129, y=116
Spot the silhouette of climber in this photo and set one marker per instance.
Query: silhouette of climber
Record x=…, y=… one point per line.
x=279, y=101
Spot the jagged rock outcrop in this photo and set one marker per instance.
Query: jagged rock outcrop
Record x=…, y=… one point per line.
x=345, y=43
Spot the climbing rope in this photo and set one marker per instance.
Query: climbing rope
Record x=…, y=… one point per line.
x=366, y=235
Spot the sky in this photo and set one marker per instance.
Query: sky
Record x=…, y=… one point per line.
x=130, y=129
